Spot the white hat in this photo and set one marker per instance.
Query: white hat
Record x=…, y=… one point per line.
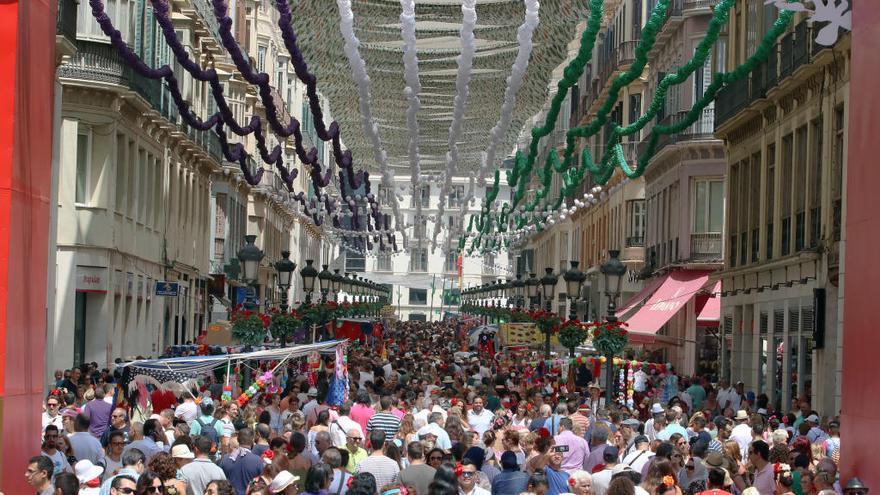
x=312, y=391
x=741, y=415
x=281, y=481
x=656, y=408
x=86, y=471
x=621, y=467
x=181, y=452
x=812, y=418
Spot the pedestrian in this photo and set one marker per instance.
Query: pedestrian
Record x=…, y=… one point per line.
x=89, y=476
x=84, y=444
x=241, y=465
x=201, y=470
x=39, y=475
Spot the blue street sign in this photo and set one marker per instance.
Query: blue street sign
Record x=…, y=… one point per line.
x=169, y=289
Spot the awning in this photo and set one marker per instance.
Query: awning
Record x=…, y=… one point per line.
x=710, y=312
x=637, y=300
x=678, y=288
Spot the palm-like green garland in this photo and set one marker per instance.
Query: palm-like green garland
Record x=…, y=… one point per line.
x=614, y=157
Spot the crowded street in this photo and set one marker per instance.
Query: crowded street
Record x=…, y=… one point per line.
x=439, y=247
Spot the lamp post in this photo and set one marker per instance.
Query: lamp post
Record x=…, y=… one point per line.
x=519, y=287
x=346, y=286
x=249, y=256
x=324, y=280
x=574, y=280
x=308, y=274
x=285, y=269
x=548, y=284
x=337, y=282
x=613, y=270
x=509, y=289
x=532, y=285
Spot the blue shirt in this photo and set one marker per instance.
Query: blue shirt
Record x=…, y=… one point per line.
x=510, y=482
x=242, y=470
x=557, y=481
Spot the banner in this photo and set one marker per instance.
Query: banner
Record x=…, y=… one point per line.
x=524, y=334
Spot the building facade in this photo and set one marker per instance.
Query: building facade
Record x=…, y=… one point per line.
x=785, y=135
x=142, y=199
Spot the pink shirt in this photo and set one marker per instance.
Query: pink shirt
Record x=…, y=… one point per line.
x=361, y=414
x=578, y=451
x=397, y=412
x=764, y=481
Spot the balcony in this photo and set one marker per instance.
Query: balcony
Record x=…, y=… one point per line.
x=702, y=129
x=706, y=246
x=692, y=6
x=626, y=54
x=635, y=241
x=795, y=50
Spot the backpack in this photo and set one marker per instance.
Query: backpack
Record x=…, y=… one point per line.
x=208, y=430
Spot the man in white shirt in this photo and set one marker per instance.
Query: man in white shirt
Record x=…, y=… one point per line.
x=340, y=427
x=188, y=410
x=52, y=416
x=479, y=418
x=639, y=457
x=724, y=392
x=742, y=432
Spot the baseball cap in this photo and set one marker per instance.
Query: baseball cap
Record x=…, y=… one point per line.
x=312, y=392
x=812, y=418
x=610, y=454
x=621, y=468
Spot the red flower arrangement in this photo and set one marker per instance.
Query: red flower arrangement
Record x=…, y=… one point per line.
x=249, y=327
x=546, y=321
x=609, y=338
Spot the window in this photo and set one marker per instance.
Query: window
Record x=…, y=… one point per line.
x=635, y=220
x=418, y=261
x=261, y=58
x=837, y=172
x=816, y=182
x=383, y=263
x=83, y=166
x=451, y=297
x=456, y=196
x=800, y=188
x=770, y=196
x=451, y=265
x=418, y=297
x=489, y=264
x=635, y=110
x=424, y=192
x=354, y=262
x=419, y=228
x=121, y=170
x=384, y=195
x=751, y=28
x=708, y=211
x=122, y=12
x=785, y=205
x=755, y=208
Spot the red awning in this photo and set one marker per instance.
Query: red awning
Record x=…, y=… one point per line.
x=635, y=302
x=677, y=289
x=710, y=313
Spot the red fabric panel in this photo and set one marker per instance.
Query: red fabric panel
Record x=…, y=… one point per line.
x=27, y=53
x=860, y=410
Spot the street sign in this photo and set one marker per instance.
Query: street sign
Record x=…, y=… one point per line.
x=169, y=289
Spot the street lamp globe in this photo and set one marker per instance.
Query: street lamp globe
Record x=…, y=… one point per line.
x=308, y=274
x=613, y=270
x=250, y=256
x=325, y=278
x=532, y=285
x=548, y=283
x=337, y=280
x=285, y=269
x=574, y=280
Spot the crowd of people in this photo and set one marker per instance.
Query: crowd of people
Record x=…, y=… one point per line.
x=424, y=415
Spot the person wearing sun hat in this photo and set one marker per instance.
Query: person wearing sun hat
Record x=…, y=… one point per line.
x=742, y=432
x=283, y=483
x=89, y=476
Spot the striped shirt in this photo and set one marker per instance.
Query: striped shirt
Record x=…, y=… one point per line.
x=384, y=469
x=386, y=422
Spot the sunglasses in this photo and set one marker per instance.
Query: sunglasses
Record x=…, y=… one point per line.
x=155, y=489
x=125, y=490
x=51, y=405
x=467, y=474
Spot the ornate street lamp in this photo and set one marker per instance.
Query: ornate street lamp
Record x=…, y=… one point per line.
x=249, y=256
x=548, y=283
x=519, y=287
x=336, y=283
x=309, y=273
x=325, y=278
x=574, y=281
x=285, y=269
x=613, y=270
x=532, y=286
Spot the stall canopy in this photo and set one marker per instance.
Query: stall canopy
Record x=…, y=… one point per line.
x=709, y=307
x=636, y=301
x=174, y=373
x=677, y=288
